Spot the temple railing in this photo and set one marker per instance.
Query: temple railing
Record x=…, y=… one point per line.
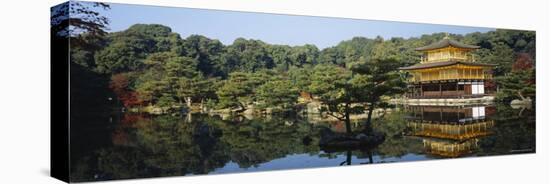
x=450, y=76
x=466, y=58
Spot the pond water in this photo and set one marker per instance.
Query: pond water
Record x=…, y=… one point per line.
x=108, y=146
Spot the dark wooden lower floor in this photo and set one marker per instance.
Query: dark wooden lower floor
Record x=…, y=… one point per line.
x=447, y=89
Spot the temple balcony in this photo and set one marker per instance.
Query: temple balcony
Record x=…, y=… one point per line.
x=464, y=58
x=449, y=74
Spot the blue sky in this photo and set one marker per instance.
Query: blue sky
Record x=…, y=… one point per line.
x=226, y=26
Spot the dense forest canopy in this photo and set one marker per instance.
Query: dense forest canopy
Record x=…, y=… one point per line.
x=127, y=50
x=158, y=64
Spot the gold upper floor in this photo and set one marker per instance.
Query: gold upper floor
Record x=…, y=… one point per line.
x=447, y=54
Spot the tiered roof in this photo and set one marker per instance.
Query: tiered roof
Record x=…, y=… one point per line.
x=441, y=64
x=446, y=42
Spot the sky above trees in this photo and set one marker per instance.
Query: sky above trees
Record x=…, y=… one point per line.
x=271, y=28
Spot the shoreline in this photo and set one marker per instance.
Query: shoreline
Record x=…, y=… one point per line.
x=485, y=100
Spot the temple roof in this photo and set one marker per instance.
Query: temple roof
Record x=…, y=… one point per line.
x=446, y=42
x=440, y=64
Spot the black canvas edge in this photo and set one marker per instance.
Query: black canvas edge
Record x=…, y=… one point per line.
x=59, y=108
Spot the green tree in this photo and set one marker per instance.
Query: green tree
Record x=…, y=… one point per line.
x=519, y=84
x=300, y=78
x=349, y=51
x=122, y=56
x=238, y=90
x=331, y=84
x=246, y=56
x=206, y=51
x=196, y=87
x=373, y=80
x=162, y=76
x=281, y=55
x=277, y=93
x=166, y=101
x=344, y=92
x=149, y=91
x=178, y=69
x=501, y=55
x=84, y=46
x=127, y=50
x=304, y=55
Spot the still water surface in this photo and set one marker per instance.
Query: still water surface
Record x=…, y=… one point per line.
x=108, y=146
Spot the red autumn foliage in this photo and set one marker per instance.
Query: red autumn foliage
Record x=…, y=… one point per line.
x=490, y=86
x=120, y=137
x=338, y=126
x=523, y=62
x=119, y=85
x=130, y=119
x=490, y=110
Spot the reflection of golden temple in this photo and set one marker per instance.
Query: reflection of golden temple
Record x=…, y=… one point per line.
x=449, y=114
x=449, y=131
x=450, y=149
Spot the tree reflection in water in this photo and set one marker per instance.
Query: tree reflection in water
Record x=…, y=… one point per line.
x=150, y=146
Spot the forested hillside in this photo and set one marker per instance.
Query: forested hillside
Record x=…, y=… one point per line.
x=150, y=64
